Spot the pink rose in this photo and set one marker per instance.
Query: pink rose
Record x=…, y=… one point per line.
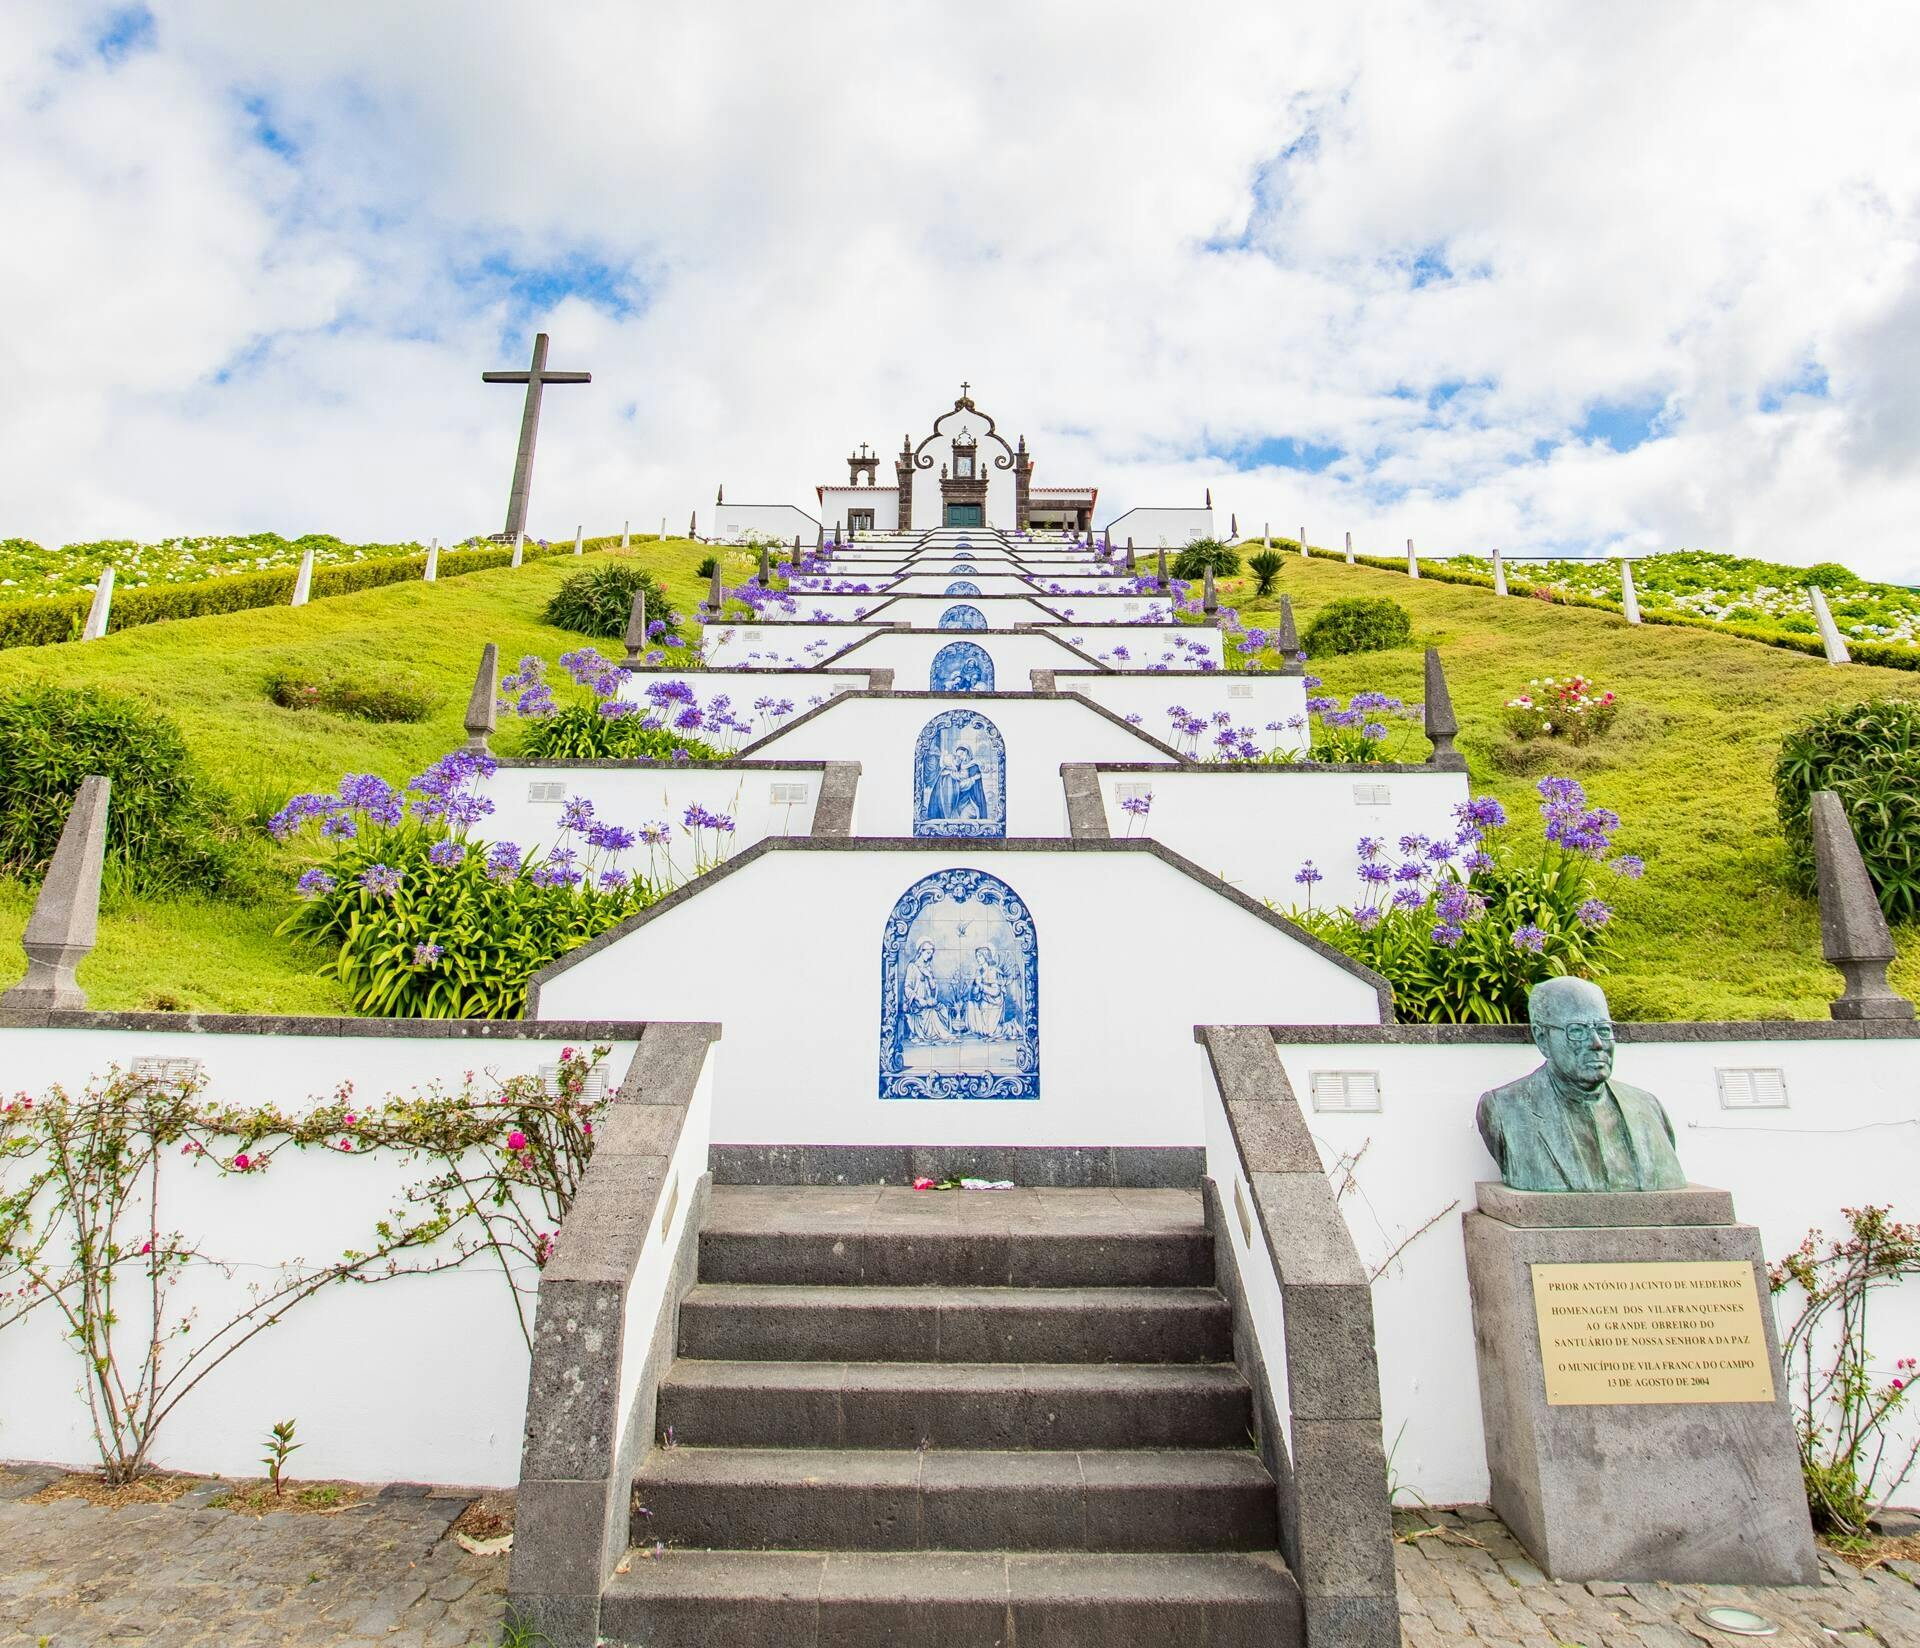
x=516, y=1140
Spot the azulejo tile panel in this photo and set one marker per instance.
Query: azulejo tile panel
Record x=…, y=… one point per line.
x=962, y=586
x=963, y=616
x=960, y=777
x=961, y=666
x=959, y=992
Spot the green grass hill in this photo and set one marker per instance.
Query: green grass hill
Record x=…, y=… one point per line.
x=1713, y=931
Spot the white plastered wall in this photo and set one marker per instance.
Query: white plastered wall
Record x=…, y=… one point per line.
x=1252, y=700
x=1015, y=655
x=1143, y=646
x=420, y=1378
x=783, y=646
x=805, y=689
x=798, y=936
x=774, y=523
x=1155, y=528
x=1040, y=733
x=1849, y=1136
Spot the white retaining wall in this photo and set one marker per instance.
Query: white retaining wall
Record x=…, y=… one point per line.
x=1152, y=528
x=1015, y=654
x=777, y=646
x=1129, y=646
x=1252, y=700
x=1850, y=1135
x=775, y=523
x=421, y=1378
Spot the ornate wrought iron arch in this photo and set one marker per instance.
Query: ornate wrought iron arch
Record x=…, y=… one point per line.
x=1002, y=459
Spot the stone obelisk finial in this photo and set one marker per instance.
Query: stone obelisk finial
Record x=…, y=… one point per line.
x=716, y=596
x=1209, y=601
x=637, y=627
x=66, y=916
x=1287, y=642
x=1163, y=567
x=1441, y=725
x=482, y=709
x=1853, y=929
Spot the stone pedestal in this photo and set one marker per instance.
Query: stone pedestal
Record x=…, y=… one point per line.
x=1704, y=1491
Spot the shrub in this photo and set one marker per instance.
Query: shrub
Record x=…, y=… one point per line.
x=1568, y=707
x=157, y=809
x=1193, y=561
x=1357, y=623
x=1464, y=928
x=609, y=726
x=364, y=700
x=1869, y=755
x=1266, y=567
x=1830, y=575
x=598, y=600
x=579, y=732
x=423, y=923
x=707, y=567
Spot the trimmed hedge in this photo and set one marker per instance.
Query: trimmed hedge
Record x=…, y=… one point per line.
x=1863, y=652
x=48, y=621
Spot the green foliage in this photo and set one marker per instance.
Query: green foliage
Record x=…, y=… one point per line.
x=1357, y=623
x=707, y=567
x=1193, y=561
x=1568, y=707
x=1830, y=575
x=385, y=701
x=1266, y=568
x=450, y=941
x=280, y=1446
x=597, y=601
x=157, y=812
x=1869, y=755
x=581, y=732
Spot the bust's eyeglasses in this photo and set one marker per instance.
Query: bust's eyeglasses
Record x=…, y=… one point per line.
x=1580, y=1035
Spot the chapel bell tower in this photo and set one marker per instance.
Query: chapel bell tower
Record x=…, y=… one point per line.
x=864, y=462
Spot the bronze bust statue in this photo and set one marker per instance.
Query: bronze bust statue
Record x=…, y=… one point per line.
x=1569, y=1125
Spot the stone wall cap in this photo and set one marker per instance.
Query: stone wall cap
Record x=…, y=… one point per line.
x=1603, y=1209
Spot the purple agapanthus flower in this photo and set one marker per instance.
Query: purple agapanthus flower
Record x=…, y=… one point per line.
x=503, y=861
x=1529, y=938
x=444, y=853
x=313, y=883
x=1629, y=866
x=381, y=879
x=1593, y=913
x=425, y=955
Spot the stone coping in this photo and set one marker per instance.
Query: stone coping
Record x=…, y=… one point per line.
x=1646, y=1032
x=1350, y=769
x=294, y=1024
x=730, y=763
x=1603, y=1209
x=959, y=701
x=1383, y=992
x=1024, y=630
x=1070, y=1167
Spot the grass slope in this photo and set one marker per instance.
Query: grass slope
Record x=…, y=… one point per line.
x=1713, y=931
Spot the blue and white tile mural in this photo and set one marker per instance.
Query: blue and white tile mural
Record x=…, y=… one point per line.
x=962, y=586
x=960, y=777
x=961, y=666
x=963, y=617
x=959, y=992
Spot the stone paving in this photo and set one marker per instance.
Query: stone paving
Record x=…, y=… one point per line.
x=1464, y=1579
x=168, y=1576
x=388, y=1572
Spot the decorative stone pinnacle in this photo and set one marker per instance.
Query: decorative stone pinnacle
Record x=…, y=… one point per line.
x=1441, y=725
x=693, y=524
x=716, y=596
x=482, y=709
x=637, y=627
x=1209, y=601
x=1288, y=640
x=766, y=568
x=66, y=916
x=1853, y=929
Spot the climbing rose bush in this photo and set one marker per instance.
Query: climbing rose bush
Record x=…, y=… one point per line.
x=423, y=923
x=1464, y=926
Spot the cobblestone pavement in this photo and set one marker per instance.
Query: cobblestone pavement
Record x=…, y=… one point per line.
x=1465, y=1580
x=165, y=1576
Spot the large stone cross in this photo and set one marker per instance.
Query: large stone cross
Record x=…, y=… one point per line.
x=536, y=378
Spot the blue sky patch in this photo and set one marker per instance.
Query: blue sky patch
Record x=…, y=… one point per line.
x=1281, y=452
x=1811, y=379
x=1623, y=425
x=267, y=132
x=532, y=288
x=127, y=31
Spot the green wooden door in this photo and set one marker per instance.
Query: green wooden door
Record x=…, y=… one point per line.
x=966, y=515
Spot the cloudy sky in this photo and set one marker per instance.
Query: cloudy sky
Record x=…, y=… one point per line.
x=1579, y=277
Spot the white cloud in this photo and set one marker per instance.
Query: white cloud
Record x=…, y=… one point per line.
x=1434, y=237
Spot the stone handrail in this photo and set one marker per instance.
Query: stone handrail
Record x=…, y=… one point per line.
x=1304, y=1337
x=604, y=1331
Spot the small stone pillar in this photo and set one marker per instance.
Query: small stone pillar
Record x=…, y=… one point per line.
x=1132, y=566
x=519, y=548
x=1209, y=601
x=482, y=707
x=1305, y=553
x=693, y=525
x=1665, y=1461
x=432, y=572
x=1266, y=535
x=766, y=568
x=1413, y=563
x=303, y=580
x=579, y=539
x=1853, y=929
x=1349, y=549
x=1441, y=725
x=1499, y=574
x=1163, y=568
x=1233, y=529
x=1629, y=596
x=102, y=607
x=1287, y=642
x=626, y=534
x=66, y=916
x=716, y=596
x=637, y=627
x=1830, y=636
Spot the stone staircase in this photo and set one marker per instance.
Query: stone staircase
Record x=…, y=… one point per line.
x=959, y=1418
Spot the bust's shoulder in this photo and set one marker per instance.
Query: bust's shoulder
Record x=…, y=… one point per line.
x=1522, y=1094
x=1636, y=1098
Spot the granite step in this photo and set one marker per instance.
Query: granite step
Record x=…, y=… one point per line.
x=993, y=1599
x=883, y=1235
x=761, y=1404
x=747, y=1321
x=1135, y=1499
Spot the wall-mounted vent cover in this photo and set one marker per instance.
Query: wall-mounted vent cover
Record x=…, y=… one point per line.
x=1346, y=1092
x=160, y=1068
x=1372, y=795
x=1240, y=689
x=553, y=793
x=786, y=795
x=592, y=1092
x=1752, y=1089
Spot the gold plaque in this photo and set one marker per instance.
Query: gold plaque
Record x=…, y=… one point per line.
x=1680, y=1332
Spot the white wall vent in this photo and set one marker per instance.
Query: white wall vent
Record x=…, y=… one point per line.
x=1240, y=689
x=161, y=1068
x=1133, y=792
x=593, y=1092
x=1752, y=1089
x=1372, y=795
x=547, y=792
x=1346, y=1092
x=786, y=795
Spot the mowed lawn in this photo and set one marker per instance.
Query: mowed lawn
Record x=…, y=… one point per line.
x=1713, y=931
